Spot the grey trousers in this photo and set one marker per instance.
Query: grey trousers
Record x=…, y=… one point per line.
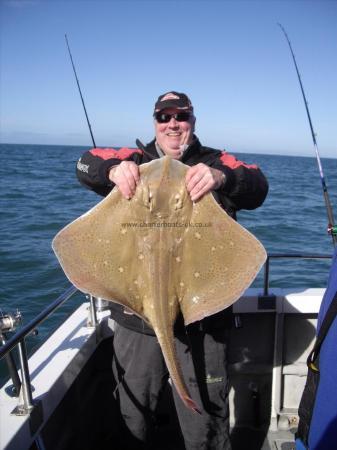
x=140, y=371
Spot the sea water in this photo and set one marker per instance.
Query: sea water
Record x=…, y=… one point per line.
x=40, y=194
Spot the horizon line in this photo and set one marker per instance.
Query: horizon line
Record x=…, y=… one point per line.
x=117, y=147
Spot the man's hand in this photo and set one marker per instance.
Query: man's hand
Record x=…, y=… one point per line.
x=126, y=177
x=201, y=179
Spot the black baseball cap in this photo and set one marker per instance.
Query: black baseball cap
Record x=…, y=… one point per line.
x=173, y=99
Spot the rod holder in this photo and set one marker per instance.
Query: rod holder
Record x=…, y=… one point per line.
x=25, y=405
x=92, y=322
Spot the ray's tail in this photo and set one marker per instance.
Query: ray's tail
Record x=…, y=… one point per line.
x=165, y=312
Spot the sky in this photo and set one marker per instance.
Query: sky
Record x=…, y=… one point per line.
x=230, y=57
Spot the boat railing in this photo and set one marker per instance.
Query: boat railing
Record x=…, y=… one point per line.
x=23, y=386
x=271, y=256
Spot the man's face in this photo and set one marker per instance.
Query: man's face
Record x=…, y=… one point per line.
x=173, y=135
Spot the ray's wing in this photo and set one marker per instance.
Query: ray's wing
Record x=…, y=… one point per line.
x=105, y=252
x=220, y=261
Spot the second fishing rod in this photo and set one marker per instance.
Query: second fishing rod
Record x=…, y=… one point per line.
x=138, y=142
x=332, y=229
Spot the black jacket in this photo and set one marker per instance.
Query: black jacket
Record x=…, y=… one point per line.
x=245, y=187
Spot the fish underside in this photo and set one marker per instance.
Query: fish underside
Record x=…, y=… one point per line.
x=158, y=254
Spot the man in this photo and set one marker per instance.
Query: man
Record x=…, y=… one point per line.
x=201, y=347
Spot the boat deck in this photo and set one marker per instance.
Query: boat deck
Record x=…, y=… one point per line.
x=73, y=384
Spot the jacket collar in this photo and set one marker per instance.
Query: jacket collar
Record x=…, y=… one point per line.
x=194, y=147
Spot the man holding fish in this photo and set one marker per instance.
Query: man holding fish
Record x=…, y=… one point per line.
x=201, y=347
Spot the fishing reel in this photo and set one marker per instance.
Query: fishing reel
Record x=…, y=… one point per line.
x=332, y=230
x=9, y=321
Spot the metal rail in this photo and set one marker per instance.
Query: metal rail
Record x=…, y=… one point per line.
x=29, y=328
x=18, y=340
x=285, y=256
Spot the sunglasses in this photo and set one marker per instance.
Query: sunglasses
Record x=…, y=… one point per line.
x=165, y=117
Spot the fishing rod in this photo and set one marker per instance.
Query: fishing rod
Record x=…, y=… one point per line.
x=79, y=88
x=138, y=143
x=332, y=229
